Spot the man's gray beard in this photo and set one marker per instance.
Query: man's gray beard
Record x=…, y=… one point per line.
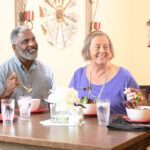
x=27, y=55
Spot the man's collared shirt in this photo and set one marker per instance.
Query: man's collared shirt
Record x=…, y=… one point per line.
x=39, y=77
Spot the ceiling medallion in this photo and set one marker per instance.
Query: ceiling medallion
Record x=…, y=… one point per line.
x=59, y=21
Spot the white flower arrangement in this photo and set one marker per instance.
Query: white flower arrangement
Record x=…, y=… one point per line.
x=62, y=107
x=64, y=98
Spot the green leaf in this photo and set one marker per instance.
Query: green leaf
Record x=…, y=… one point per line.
x=84, y=100
x=138, y=98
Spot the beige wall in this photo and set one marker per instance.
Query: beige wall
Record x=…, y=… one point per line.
x=123, y=20
x=63, y=62
x=6, y=25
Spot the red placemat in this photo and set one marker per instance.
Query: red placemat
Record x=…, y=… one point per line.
x=128, y=119
x=1, y=120
x=40, y=110
x=90, y=114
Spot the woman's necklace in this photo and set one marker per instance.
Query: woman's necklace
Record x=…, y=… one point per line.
x=103, y=86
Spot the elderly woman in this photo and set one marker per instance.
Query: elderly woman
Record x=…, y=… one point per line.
x=101, y=79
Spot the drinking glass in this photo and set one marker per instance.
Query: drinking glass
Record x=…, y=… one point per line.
x=24, y=103
x=7, y=107
x=103, y=111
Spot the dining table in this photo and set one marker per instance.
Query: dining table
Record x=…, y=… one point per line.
x=31, y=135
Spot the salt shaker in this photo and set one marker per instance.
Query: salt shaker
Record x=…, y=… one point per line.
x=79, y=115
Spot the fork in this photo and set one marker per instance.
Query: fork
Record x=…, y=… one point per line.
x=131, y=104
x=29, y=90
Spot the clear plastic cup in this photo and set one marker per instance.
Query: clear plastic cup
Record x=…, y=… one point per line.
x=24, y=103
x=103, y=111
x=7, y=107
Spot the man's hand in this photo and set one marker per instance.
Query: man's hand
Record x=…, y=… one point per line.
x=11, y=83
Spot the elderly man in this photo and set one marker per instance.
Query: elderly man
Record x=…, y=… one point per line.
x=25, y=69
x=131, y=93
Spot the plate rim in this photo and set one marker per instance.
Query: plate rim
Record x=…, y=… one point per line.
x=90, y=114
x=128, y=119
x=35, y=111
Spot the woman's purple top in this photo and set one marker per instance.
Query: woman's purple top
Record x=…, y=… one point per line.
x=114, y=89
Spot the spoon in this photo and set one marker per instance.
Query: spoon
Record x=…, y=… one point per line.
x=29, y=90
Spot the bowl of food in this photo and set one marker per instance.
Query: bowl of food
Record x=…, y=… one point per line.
x=90, y=106
x=90, y=109
x=141, y=113
x=35, y=104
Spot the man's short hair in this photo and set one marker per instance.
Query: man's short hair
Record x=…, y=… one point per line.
x=16, y=31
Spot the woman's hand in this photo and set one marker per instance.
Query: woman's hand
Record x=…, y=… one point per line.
x=131, y=95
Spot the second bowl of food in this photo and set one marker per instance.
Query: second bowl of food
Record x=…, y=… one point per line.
x=142, y=113
x=35, y=104
x=90, y=109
